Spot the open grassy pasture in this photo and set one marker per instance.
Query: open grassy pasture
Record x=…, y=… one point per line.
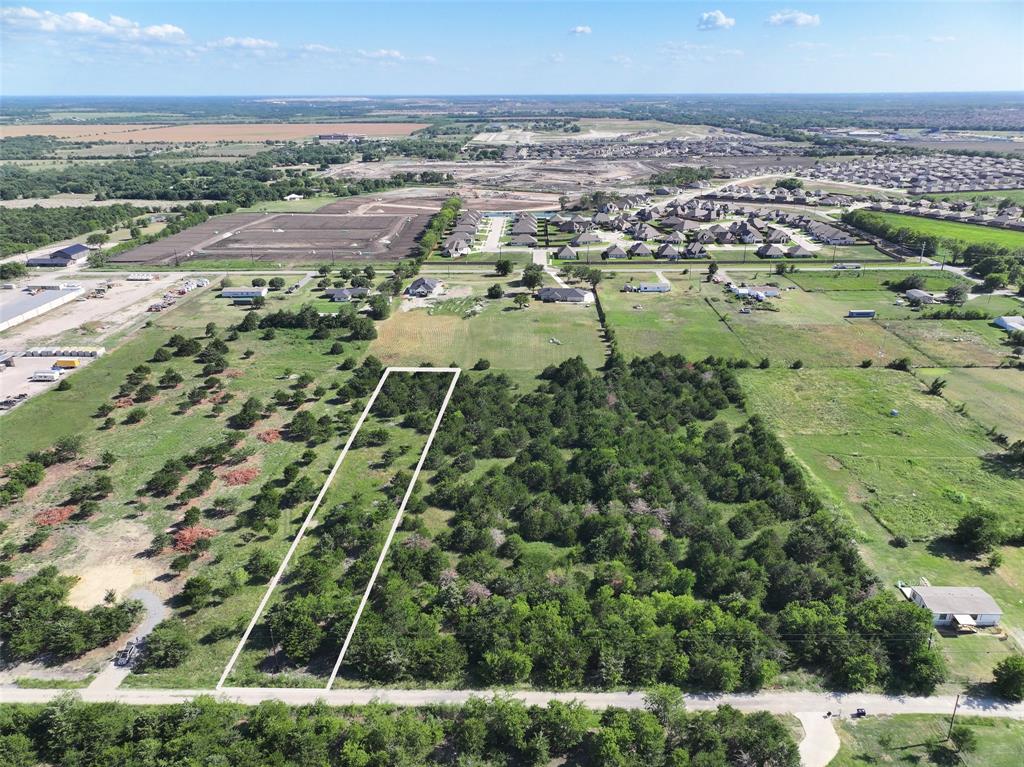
x=305, y=205
x=914, y=740
x=112, y=549
x=972, y=234
x=912, y=475
x=986, y=198
x=520, y=342
x=953, y=343
x=873, y=279
x=994, y=397
x=679, y=322
x=917, y=472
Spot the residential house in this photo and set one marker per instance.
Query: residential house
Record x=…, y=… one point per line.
x=965, y=606
x=565, y=296
x=424, y=287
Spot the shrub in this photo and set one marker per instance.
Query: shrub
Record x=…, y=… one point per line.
x=167, y=645
x=1009, y=677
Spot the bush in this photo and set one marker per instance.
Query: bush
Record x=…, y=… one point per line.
x=482, y=364
x=1009, y=677
x=979, y=531
x=167, y=645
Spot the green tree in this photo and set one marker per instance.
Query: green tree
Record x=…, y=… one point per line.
x=167, y=645
x=503, y=267
x=979, y=531
x=522, y=300
x=1009, y=677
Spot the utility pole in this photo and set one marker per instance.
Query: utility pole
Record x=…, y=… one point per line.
x=953, y=718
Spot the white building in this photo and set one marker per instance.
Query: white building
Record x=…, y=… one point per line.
x=959, y=605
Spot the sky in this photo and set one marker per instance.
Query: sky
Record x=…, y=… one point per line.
x=152, y=47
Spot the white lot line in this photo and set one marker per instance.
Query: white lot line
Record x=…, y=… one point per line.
x=316, y=504
x=398, y=517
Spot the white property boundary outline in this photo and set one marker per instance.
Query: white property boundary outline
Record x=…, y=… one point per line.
x=316, y=505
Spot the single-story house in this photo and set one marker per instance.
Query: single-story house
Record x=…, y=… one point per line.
x=424, y=287
x=584, y=238
x=243, y=293
x=613, y=251
x=291, y=197
x=524, y=241
x=770, y=251
x=921, y=296
x=960, y=605
x=344, y=295
x=565, y=296
x=67, y=256
x=566, y=253
x=646, y=287
x=1009, y=322
x=639, y=249
x=799, y=251
x=669, y=251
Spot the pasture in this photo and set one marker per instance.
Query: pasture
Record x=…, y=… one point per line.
x=519, y=342
x=874, y=279
x=972, y=234
x=993, y=396
x=140, y=133
x=953, y=343
x=683, y=321
x=916, y=472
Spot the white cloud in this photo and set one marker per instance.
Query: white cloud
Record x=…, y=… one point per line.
x=807, y=46
x=82, y=24
x=712, y=20
x=556, y=58
x=581, y=29
x=686, y=51
x=790, y=18
x=940, y=39
x=883, y=55
x=383, y=54
x=318, y=48
x=622, y=60
x=245, y=43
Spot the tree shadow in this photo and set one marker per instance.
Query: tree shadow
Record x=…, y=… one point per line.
x=944, y=546
x=1003, y=466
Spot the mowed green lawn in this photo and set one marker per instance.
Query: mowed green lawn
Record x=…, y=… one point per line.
x=915, y=740
x=917, y=472
x=520, y=342
x=994, y=397
x=972, y=234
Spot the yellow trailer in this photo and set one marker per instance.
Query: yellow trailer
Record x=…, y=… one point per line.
x=67, y=364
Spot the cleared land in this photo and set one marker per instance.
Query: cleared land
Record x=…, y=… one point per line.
x=520, y=342
x=972, y=234
x=917, y=740
x=994, y=397
x=917, y=472
x=124, y=132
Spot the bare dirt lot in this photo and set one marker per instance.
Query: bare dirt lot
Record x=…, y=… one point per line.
x=177, y=246
x=209, y=132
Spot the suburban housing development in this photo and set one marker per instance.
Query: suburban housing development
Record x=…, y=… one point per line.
x=664, y=408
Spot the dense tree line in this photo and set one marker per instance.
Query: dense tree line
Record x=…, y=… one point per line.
x=23, y=229
x=500, y=731
x=29, y=147
x=432, y=237
x=681, y=176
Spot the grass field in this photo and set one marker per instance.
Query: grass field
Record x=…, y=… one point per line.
x=986, y=198
x=994, y=397
x=972, y=234
x=912, y=475
x=953, y=343
x=680, y=322
x=304, y=205
x=917, y=472
x=916, y=740
x=520, y=342
x=873, y=279
x=106, y=551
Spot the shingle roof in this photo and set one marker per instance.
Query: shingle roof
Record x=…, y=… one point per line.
x=958, y=600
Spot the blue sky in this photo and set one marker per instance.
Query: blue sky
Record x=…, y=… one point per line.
x=147, y=47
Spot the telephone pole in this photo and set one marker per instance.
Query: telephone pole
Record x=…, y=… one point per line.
x=953, y=718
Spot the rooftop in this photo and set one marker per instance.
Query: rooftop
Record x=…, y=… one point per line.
x=963, y=600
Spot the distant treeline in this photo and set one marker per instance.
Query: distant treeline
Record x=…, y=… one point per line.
x=24, y=229
x=681, y=176
x=29, y=147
